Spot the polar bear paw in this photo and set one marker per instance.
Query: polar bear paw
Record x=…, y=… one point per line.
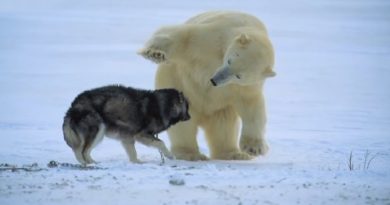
x=236, y=155
x=154, y=55
x=253, y=146
x=189, y=156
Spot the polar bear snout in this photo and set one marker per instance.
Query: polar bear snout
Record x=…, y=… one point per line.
x=222, y=77
x=217, y=81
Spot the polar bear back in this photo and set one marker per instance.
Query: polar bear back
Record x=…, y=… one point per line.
x=227, y=19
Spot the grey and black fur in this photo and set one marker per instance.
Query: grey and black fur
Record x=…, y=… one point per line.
x=123, y=113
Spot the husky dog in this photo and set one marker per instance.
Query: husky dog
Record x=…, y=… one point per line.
x=122, y=113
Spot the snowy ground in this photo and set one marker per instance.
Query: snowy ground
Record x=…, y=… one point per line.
x=330, y=98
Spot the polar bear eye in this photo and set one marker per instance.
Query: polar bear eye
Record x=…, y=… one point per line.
x=229, y=61
x=238, y=76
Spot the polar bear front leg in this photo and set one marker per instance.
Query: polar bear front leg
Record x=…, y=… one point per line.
x=221, y=130
x=253, y=116
x=183, y=141
x=156, y=48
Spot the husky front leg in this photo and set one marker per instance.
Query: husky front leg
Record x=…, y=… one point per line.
x=150, y=140
x=129, y=145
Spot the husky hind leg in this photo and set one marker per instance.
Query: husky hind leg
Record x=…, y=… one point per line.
x=74, y=141
x=78, y=152
x=129, y=145
x=83, y=129
x=93, y=142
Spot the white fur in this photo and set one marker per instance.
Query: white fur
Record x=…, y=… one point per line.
x=190, y=55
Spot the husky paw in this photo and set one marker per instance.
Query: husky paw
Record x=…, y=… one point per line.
x=170, y=156
x=166, y=154
x=154, y=55
x=253, y=146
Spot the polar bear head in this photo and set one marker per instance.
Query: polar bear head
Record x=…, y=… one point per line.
x=248, y=60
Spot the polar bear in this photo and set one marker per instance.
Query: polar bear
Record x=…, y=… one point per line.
x=220, y=61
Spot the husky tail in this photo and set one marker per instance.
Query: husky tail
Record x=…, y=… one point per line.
x=83, y=129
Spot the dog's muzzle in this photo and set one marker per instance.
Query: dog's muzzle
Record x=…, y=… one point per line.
x=213, y=82
x=186, y=117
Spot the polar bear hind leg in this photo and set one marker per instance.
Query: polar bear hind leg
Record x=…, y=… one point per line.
x=156, y=49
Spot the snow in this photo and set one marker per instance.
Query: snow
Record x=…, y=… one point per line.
x=330, y=98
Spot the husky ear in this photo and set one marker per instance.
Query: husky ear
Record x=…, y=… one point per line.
x=268, y=72
x=181, y=97
x=243, y=39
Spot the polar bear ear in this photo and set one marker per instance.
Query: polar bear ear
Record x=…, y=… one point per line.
x=268, y=72
x=243, y=39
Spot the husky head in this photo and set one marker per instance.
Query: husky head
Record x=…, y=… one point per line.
x=248, y=60
x=173, y=106
x=182, y=107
